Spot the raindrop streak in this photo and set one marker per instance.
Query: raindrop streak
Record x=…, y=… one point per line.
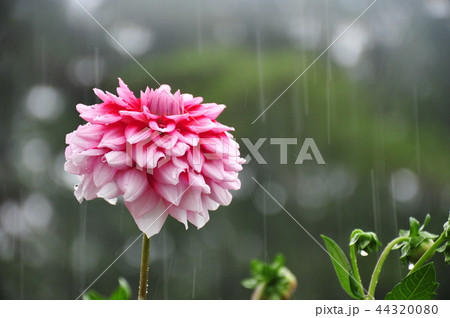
x=43, y=60
x=82, y=267
x=165, y=274
x=296, y=116
x=416, y=127
x=96, y=67
x=394, y=203
x=305, y=94
x=328, y=77
x=21, y=256
x=305, y=82
x=260, y=75
x=193, y=282
x=199, y=28
x=374, y=201
x=266, y=258
x=328, y=108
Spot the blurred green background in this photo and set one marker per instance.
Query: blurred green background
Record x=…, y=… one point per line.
x=376, y=104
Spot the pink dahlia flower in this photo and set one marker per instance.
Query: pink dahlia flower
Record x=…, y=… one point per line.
x=164, y=153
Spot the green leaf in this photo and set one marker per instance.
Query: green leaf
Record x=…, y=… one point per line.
x=93, y=295
x=447, y=227
x=446, y=250
x=256, y=267
x=249, y=283
x=122, y=292
x=414, y=226
x=342, y=268
x=278, y=261
x=420, y=285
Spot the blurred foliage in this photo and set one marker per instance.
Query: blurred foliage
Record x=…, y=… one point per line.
x=122, y=292
x=271, y=281
x=381, y=125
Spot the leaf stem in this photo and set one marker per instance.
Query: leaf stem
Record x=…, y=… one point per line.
x=355, y=268
x=428, y=254
x=143, y=278
x=379, y=266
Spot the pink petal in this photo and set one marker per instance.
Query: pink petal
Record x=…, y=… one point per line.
x=170, y=193
x=162, y=128
x=131, y=116
x=132, y=183
x=113, y=139
x=151, y=222
x=195, y=158
x=101, y=94
x=213, y=169
x=102, y=174
x=203, y=124
x=219, y=194
x=138, y=133
x=124, y=92
x=145, y=97
x=118, y=160
x=86, y=189
x=145, y=203
x=179, y=149
x=198, y=181
x=231, y=185
x=199, y=220
x=109, y=191
x=146, y=157
x=210, y=110
x=192, y=200
x=209, y=203
x=167, y=173
x=179, y=215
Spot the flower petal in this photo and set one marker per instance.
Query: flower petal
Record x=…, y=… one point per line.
x=132, y=182
x=103, y=173
x=145, y=203
x=151, y=222
x=198, y=219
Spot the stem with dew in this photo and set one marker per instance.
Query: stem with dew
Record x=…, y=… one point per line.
x=355, y=269
x=143, y=278
x=378, y=267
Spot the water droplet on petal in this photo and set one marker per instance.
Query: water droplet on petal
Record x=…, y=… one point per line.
x=364, y=253
x=103, y=159
x=76, y=186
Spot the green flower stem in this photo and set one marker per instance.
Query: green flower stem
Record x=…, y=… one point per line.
x=378, y=267
x=143, y=278
x=355, y=268
x=429, y=253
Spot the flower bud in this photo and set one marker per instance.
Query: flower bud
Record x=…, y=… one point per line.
x=415, y=254
x=365, y=242
x=418, y=241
